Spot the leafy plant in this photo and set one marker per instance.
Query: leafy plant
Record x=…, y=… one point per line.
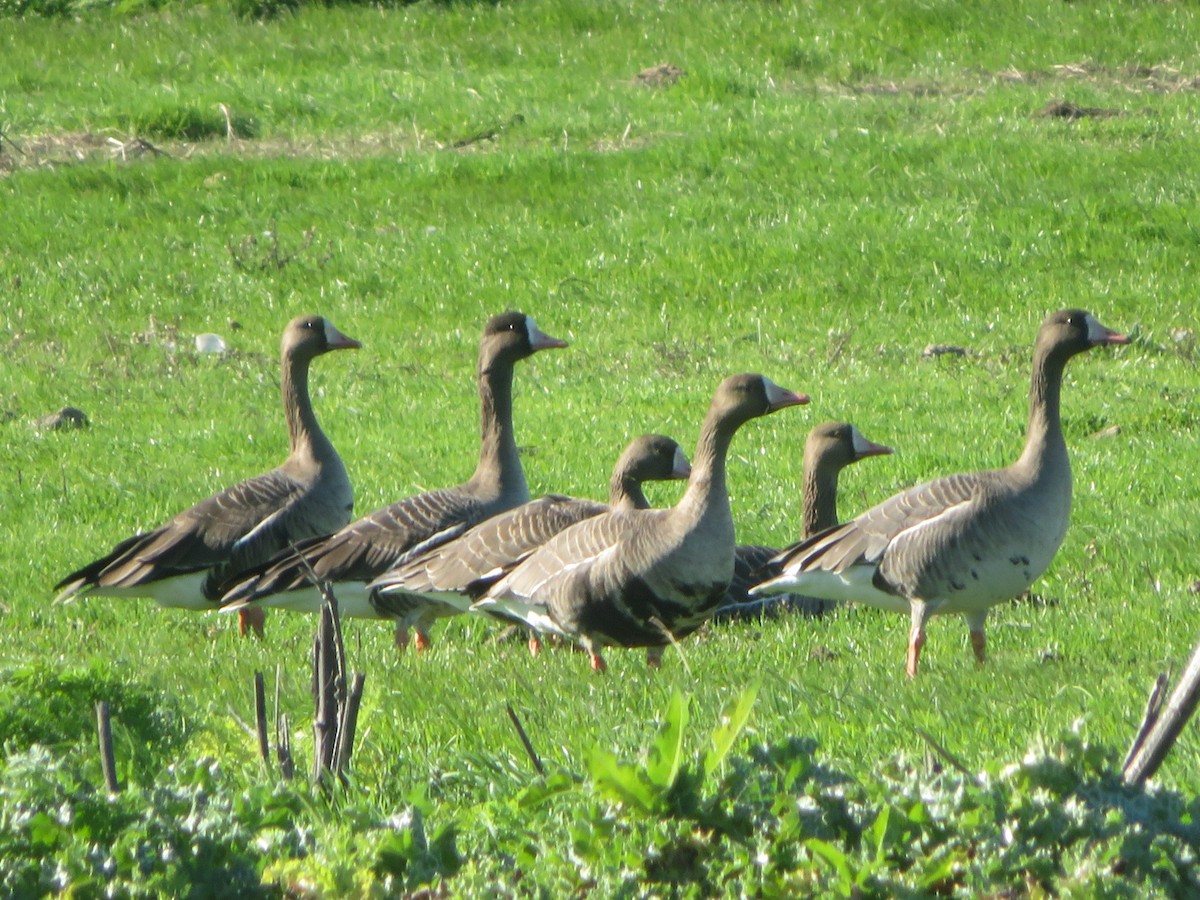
x=56, y=708
x=667, y=783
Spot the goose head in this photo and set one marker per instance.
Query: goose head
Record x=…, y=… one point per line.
x=1071, y=331
x=309, y=336
x=654, y=457
x=838, y=444
x=740, y=398
x=513, y=336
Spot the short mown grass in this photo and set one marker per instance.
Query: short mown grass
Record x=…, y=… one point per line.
x=821, y=195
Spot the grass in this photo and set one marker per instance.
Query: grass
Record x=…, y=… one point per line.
x=823, y=193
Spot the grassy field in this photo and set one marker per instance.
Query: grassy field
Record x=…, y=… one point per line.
x=820, y=195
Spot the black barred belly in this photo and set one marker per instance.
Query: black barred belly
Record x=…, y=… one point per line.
x=625, y=620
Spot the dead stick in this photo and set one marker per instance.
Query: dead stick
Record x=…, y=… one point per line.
x=287, y=765
x=537, y=762
x=108, y=763
x=327, y=667
x=1171, y=721
x=944, y=753
x=283, y=745
x=658, y=623
x=260, y=717
x=339, y=647
x=1149, y=717
x=349, y=723
x=325, y=716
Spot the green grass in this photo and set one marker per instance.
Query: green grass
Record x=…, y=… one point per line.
x=824, y=192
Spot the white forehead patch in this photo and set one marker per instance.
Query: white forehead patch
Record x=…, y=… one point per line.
x=774, y=392
x=777, y=396
x=682, y=467
x=858, y=442
x=538, y=339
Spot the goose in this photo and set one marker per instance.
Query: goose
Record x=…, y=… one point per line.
x=444, y=580
x=962, y=543
x=829, y=448
x=368, y=547
x=643, y=577
x=182, y=563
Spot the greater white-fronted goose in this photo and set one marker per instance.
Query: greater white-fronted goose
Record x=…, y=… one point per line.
x=830, y=447
x=643, y=577
x=183, y=563
x=368, y=547
x=963, y=543
x=443, y=581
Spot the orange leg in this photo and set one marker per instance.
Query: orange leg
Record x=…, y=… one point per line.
x=251, y=618
x=421, y=640
x=401, y=637
x=598, y=663
x=535, y=644
x=978, y=641
x=654, y=657
x=979, y=645
x=916, y=637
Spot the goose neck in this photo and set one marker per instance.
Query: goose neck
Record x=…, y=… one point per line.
x=499, y=461
x=819, y=498
x=625, y=492
x=304, y=432
x=1044, y=442
x=706, y=487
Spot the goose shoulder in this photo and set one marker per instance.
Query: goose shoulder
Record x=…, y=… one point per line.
x=494, y=545
x=244, y=519
x=385, y=537
x=576, y=551
x=928, y=511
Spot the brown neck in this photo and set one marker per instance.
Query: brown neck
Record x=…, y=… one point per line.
x=499, y=463
x=625, y=492
x=706, y=487
x=304, y=433
x=1044, y=443
x=820, y=496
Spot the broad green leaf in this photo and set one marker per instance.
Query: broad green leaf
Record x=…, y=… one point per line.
x=622, y=782
x=666, y=753
x=878, y=831
x=941, y=872
x=834, y=857
x=731, y=725
x=545, y=790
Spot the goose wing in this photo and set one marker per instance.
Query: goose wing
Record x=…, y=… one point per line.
x=234, y=528
x=900, y=536
x=366, y=547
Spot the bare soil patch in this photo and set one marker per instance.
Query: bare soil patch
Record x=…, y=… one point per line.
x=18, y=152
x=1135, y=79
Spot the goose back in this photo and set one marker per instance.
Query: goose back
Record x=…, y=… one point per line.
x=368, y=547
x=182, y=562
x=962, y=543
x=643, y=577
x=443, y=580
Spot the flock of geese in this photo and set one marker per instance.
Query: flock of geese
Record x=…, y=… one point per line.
x=617, y=574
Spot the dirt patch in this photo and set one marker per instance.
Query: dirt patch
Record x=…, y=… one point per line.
x=19, y=152
x=1135, y=79
x=662, y=75
x=58, y=150
x=1057, y=109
